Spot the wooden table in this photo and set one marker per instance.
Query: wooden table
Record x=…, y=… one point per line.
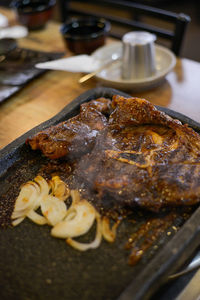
x=46, y=96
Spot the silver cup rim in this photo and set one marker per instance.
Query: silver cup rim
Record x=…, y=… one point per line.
x=139, y=38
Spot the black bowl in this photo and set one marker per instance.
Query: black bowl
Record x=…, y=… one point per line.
x=34, y=14
x=85, y=35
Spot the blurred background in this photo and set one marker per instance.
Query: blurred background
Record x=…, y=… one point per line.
x=191, y=45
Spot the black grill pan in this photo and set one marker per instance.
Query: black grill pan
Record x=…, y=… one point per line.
x=33, y=265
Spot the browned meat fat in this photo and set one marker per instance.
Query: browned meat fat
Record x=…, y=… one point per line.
x=140, y=157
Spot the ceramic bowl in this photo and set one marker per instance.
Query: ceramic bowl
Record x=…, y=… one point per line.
x=85, y=35
x=33, y=14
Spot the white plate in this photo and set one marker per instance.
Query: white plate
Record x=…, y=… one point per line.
x=111, y=76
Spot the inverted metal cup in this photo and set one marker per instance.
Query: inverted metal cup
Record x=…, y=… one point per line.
x=138, y=55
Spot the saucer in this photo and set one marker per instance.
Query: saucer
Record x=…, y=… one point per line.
x=111, y=76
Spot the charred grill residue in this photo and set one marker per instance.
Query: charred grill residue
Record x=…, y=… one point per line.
x=154, y=229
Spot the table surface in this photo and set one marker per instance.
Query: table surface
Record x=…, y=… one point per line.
x=44, y=97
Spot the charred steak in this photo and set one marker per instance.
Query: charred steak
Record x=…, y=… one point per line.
x=140, y=157
x=76, y=135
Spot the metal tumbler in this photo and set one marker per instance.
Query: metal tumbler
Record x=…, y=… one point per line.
x=138, y=55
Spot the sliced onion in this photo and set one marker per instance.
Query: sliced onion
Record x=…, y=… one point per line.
x=79, y=219
x=67, y=224
x=59, y=188
x=20, y=213
x=34, y=194
x=36, y=218
x=44, y=186
x=75, y=196
x=109, y=234
x=53, y=209
x=94, y=244
x=27, y=198
x=17, y=221
x=26, y=201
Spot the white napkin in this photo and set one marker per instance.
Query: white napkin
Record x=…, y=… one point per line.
x=3, y=21
x=14, y=32
x=79, y=63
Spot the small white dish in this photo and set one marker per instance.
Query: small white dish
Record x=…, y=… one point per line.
x=111, y=76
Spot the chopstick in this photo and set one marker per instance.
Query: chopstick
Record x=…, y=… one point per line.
x=192, y=266
x=92, y=74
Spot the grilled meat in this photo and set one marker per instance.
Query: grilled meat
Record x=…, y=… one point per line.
x=150, y=175
x=101, y=104
x=76, y=135
x=141, y=157
x=145, y=158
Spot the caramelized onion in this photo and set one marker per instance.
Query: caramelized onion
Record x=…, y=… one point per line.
x=35, y=194
x=59, y=189
x=109, y=234
x=67, y=223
